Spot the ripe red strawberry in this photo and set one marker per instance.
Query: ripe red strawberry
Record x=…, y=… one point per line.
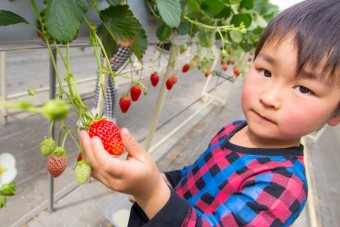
x=124, y=103
x=80, y=157
x=237, y=71
x=109, y=134
x=207, y=73
x=171, y=81
x=57, y=162
x=169, y=84
x=154, y=79
x=225, y=67
x=185, y=68
x=135, y=92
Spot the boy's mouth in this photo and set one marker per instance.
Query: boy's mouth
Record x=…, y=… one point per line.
x=264, y=118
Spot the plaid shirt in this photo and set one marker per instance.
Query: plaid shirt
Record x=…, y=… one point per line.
x=229, y=185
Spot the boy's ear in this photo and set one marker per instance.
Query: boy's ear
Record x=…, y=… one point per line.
x=334, y=120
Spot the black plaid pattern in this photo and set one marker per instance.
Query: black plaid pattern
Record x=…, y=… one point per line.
x=236, y=188
x=116, y=62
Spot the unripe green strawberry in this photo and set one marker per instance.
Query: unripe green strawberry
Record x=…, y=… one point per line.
x=47, y=146
x=82, y=172
x=55, y=109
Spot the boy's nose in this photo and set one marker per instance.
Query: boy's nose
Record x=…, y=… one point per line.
x=271, y=97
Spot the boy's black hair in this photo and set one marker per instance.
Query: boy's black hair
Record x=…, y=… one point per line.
x=315, y=26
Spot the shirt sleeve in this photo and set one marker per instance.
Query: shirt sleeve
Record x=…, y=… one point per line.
x=263, y=200
x=174, y=213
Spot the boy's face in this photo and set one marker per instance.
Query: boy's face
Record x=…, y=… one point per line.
x=280, y=107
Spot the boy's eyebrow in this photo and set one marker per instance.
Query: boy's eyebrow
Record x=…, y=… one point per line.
x=267, y=58
x=309, y=75
x=303, y=73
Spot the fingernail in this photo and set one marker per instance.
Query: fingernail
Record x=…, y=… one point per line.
x=126, y=133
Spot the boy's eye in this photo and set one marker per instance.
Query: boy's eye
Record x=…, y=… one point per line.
x=265, y=73
x=303, y=90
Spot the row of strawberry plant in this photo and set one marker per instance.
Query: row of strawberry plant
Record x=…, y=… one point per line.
x=233, y=25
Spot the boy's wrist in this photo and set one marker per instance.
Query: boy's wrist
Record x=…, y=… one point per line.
x=156, y=200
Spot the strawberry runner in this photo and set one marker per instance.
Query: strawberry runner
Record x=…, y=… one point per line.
x=121, y=56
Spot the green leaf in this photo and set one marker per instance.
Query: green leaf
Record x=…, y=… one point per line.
x=120, y=22
x=241, y=18
x=191, y=9
x=140, y=45
x=8, y=189
x=62, y=18
x=184, y=28
x=206, y=37
x=3, y=201
x=163, y=32
x=225, y=13
x=8, y=18
x=115, y=2
x=247, y=4
x=170, y=12
x=236, y=36
x=260, y=21
x=109, y=44
x=212, y=7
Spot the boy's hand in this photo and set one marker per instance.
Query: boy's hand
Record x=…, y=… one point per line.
x=138, y=175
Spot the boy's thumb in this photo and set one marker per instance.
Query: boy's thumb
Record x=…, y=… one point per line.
x=130, y=143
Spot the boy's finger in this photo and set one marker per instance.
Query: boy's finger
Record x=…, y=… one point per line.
x=130, y=143
x=86, y=144
x=105, y=161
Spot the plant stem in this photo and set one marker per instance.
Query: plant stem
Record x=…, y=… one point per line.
x=61, y=90
x=36, y=11
x=224, y=27
x=151, y=9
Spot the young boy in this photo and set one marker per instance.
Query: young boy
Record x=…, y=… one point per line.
x=252, y=173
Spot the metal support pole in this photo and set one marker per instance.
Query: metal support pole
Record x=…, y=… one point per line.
x=52, y=93
x=3, y=82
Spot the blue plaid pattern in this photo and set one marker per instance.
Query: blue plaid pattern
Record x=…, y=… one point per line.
x=230, y=185
x=116, y=62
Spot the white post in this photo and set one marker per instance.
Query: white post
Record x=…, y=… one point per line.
x=102, y=91
x=174, y=52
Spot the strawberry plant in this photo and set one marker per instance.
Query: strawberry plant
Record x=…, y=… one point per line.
x=233, y=26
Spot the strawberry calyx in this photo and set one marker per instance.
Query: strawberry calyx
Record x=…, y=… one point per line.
x=59, y=151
